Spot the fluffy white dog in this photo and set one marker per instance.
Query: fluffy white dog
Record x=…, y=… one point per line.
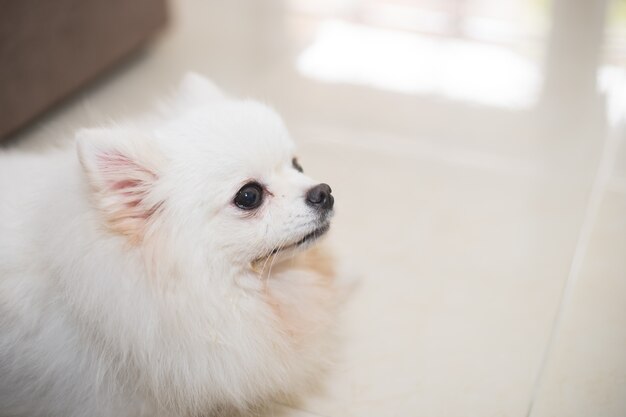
x=156, y=268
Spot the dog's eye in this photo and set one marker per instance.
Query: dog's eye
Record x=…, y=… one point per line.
x=250, y=196
x=296, y=165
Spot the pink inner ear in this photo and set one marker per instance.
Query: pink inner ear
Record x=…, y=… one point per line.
x=120, y=185
x=129, y=184
x=106, y=161
x=121, y=173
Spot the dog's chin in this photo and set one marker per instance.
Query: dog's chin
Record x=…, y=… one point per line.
x=294, y=246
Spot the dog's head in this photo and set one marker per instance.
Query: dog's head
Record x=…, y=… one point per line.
x=213, y=175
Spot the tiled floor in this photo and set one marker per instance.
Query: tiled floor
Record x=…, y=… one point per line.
x=486, y=223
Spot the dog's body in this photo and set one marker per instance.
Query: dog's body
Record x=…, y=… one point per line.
x=132, y=285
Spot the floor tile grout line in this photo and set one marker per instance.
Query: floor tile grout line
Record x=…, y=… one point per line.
x=453, y=155
x=598, y=190
x=425, y=149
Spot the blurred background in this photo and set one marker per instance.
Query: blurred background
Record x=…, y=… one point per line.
x=475, y=148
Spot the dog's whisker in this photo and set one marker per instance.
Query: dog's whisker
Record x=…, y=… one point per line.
x=269, y=273
x=273, y=255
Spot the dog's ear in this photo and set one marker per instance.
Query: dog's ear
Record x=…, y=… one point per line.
x=122, y=170
x=196, y=89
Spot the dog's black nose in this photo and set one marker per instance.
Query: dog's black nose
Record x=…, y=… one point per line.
x=320, y=197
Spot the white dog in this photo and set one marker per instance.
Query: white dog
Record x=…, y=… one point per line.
x=156, y=268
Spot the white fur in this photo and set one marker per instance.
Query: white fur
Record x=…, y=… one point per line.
x=126, y=285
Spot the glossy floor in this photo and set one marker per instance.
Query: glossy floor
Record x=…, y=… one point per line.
x=476, y=151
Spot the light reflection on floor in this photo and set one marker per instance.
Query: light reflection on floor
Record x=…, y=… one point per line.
x=409, y=63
